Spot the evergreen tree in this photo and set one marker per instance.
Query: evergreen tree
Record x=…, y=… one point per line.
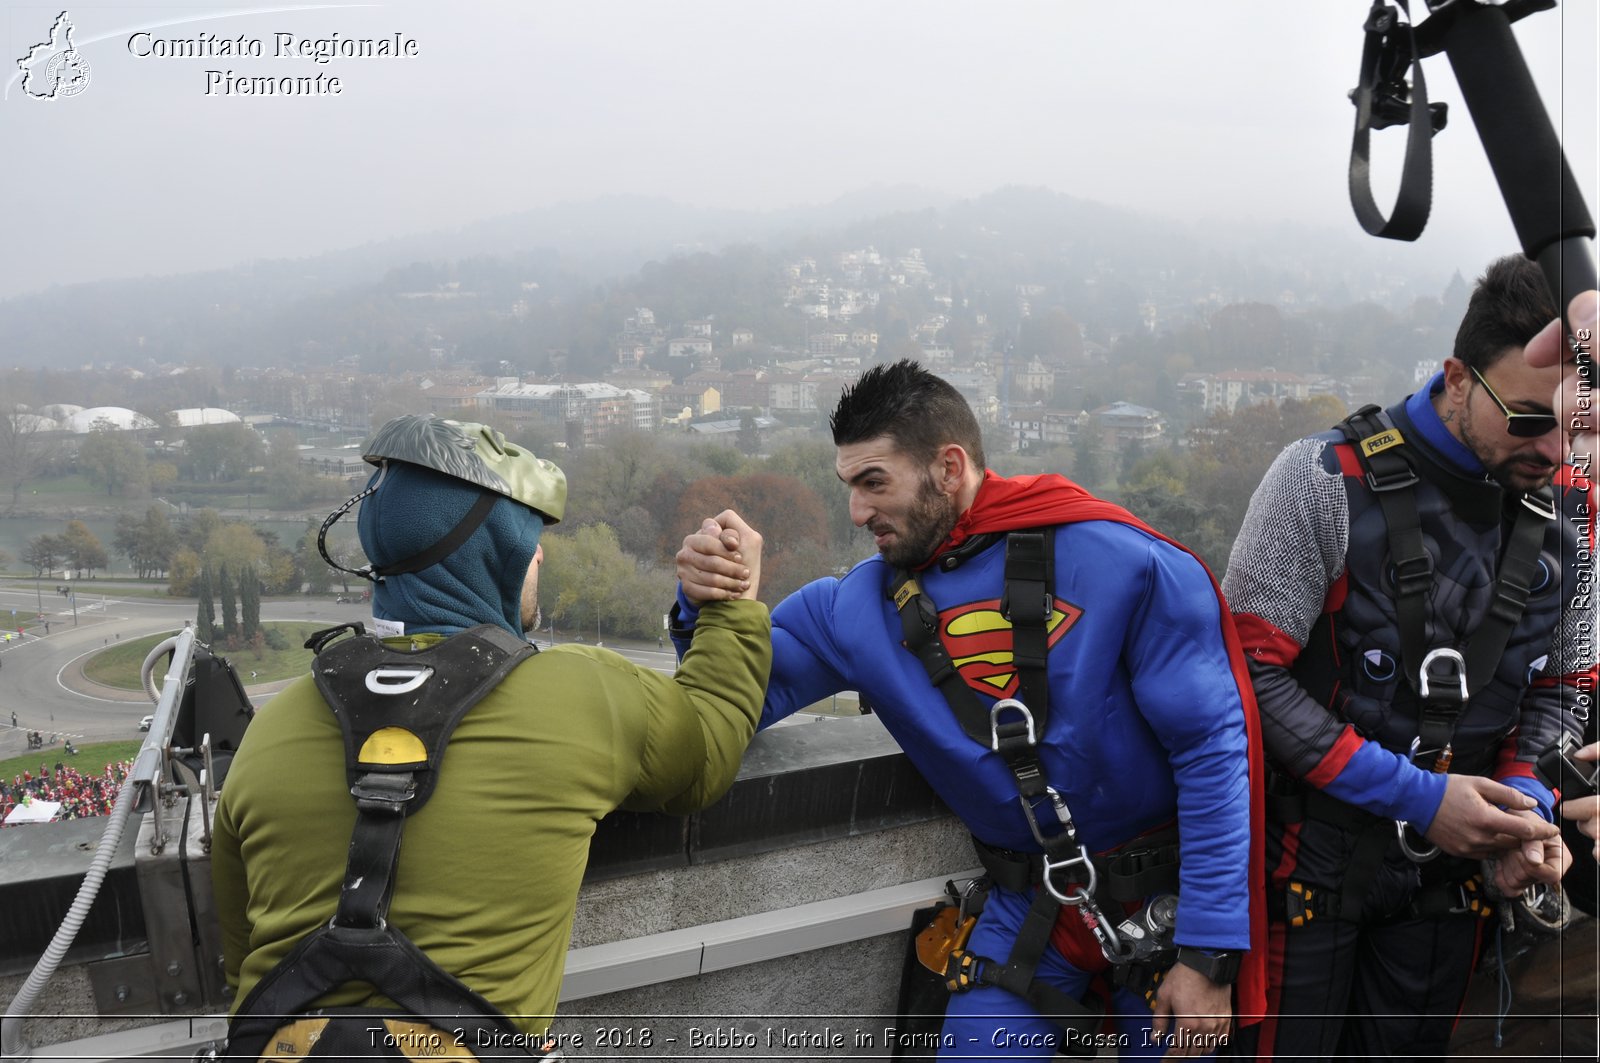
x=249, y=604
x=206, y=619
x=230, y=616
x=749, y=435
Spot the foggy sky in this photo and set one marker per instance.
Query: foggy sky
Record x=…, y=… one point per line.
x=1186, y=108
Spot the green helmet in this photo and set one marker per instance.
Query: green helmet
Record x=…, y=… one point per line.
x=475, y=453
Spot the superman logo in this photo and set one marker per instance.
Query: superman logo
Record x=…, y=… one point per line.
x=977, y=636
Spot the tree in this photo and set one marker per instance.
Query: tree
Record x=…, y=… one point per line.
x=811, y=461
x=222, y=452
x=182, y=577
x=288, y=482
x=1052, y=337
x=1087, y=467
x=206, y=617
x=22, y=448
x=249, y=604
x=315, y=571
x=84, y=552
x=198, y=528
x=749, y=436
x=792, y=520
x=113, y=459
x=43, y=553
x=235, y=546
x=230, y=622
x=582, y=573
x=281, y=573
x=148, y=542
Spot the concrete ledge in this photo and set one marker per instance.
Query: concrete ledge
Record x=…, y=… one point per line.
x=635, y=962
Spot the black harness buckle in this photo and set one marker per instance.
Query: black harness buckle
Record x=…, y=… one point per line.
x=384, y=793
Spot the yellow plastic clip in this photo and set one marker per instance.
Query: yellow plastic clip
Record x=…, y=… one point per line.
x=959, y=975
x=1305, y=896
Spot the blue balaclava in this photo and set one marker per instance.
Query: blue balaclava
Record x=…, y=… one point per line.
x=480, y=582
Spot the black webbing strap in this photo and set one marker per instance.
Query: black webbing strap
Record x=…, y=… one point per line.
x=919, y=632
x=1381, y=450
x=1299, y=903
x=1513, y=585
x=369, y=866
x=1147, y=864
x=1027, y=603
x=1388, y=52
x=445, y=546
x=335, y=956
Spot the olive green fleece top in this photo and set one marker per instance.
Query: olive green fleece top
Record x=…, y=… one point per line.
x=489, y=869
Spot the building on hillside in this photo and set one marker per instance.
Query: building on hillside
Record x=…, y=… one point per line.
x=588, y=411
x=1121, y=423
x=1227, y=391
x=340, y=463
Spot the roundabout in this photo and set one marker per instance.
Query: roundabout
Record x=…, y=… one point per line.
x=43, y=686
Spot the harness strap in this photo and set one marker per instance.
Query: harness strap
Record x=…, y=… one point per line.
x=1389, y=49
x=1301, y=903
x=334, y=956
x=369, y=870
x=1012, y=729
x=919, y=628
x=1146, y=865
x=392, y=777
x=1027, y=603
x=966, y=970
x=1443, y=680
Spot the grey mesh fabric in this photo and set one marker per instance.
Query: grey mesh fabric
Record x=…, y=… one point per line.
x=1299, y=500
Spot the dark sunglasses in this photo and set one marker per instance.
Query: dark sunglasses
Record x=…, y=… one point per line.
x=1521, y=425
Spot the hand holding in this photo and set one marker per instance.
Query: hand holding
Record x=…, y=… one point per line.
x=1480, y=818
x=721, y=561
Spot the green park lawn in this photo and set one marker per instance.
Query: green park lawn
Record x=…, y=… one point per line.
x=119, y=665
x=90, y=760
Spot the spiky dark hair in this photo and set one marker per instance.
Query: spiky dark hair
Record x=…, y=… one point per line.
x=1508, y=307
x=910, y=405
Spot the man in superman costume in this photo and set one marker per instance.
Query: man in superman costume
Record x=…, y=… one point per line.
x=1145, y=748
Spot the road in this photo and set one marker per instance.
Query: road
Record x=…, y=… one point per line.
x=33, y=670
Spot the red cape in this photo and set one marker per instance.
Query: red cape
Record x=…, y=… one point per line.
x=1010, y=503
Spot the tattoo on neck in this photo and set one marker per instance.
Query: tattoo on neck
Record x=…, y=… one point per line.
x=1447, y=416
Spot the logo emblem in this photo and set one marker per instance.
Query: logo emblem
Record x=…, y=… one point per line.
x=1376, y=444
x=977, y=636
x=54, y=69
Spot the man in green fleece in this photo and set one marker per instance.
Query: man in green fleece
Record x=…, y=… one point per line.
x=487, y=877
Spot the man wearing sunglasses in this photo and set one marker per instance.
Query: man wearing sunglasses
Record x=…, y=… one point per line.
x=1398, y=586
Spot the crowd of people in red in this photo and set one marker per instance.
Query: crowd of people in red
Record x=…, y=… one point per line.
x=79, y=795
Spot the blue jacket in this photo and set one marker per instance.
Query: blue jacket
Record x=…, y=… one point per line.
x=1146, y=721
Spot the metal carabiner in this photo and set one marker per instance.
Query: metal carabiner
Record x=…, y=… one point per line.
x=1442, y=653
x=1416, y=856
x=994, y=721
x=1085, y=890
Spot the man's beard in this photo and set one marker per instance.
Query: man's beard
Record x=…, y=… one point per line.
x=1506, y=473
x=931, y=517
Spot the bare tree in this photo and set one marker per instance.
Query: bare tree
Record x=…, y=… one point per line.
x=22, y=451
